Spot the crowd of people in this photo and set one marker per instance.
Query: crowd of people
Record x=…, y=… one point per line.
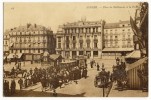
x=50, y=78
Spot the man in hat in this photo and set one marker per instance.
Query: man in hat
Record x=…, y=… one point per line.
x=13, y=87
x=98, y=67
x=20, y=82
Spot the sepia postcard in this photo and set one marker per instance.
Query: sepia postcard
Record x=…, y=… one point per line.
x=75, y=49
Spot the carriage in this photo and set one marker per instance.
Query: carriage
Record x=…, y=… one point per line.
x=81, y=61
x=68, y=64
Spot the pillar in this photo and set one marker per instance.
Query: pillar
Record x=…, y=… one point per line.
x=91, y=54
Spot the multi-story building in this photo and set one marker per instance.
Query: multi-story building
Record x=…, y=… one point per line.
x=80, y=38
x=117, y=39
x=6, y=42
x=32, y=41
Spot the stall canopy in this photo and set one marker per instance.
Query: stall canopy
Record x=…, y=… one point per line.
x=55, y=56
x=135, y=54
x=10, y=56
x=19, y=55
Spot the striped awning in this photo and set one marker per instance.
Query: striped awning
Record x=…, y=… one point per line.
x=10, y=56
x=134, y=54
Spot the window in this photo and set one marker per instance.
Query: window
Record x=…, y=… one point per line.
x=95, y=53
x=93, y=29
x=81, y=45
x=88, y=45
x=90, y=30
x=38, y=51
x=67, y=45
x=74, y=45
x=20, y=51
x=67, y=37
x=59, y=45
x=123, y=25
x=80, y=52
x=74, y=38
x=86, y=30
x=95, y=45
x=59, y=39
x=96, y=29
x=115, y=36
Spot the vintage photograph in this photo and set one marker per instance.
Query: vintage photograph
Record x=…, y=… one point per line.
x=75, y=49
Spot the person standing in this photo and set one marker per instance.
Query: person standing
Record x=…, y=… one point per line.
x=13, y=87
x=98, y=67
x=20, y=82
x=7, y=87
x=84, y=73
x=4, y=88
x=92, y=63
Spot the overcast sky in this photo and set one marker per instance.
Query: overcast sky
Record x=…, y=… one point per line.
x=54, y=14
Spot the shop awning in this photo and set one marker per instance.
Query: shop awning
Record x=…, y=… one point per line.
x=55, y=56
x=117, y=49
x=10, y=56
x=135, y=54
x=19, y=55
